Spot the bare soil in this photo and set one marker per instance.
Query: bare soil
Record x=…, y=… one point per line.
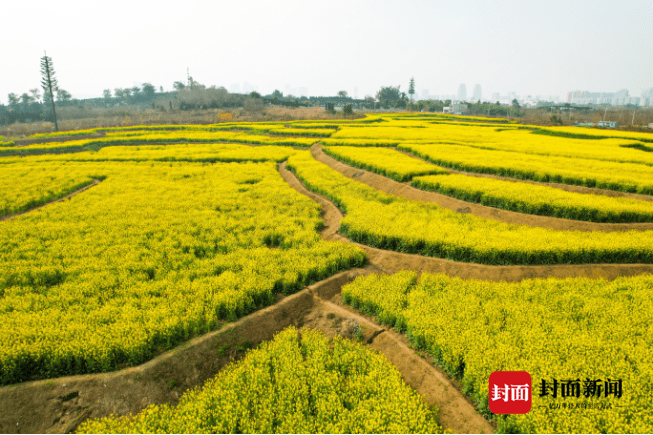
x=60, y=405
x=65, y=198
x=391, y=262
x=405, y=190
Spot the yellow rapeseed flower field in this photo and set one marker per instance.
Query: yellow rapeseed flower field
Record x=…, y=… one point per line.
x=540, y=200
x=383, y=161
x=153, y=254
x=287, y=386
x=23, y=186
x=390, y=222
x=576, y=328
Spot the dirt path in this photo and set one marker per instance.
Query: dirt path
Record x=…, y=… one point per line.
x=405, y=190
x=391, y=262
x=566, y=187
x=60, y=405
x=28, y=141
x=70, y=195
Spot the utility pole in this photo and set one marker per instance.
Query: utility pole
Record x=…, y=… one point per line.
x=606, y=112
x=633, y=121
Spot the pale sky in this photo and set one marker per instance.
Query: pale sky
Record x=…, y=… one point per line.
x=528, y=47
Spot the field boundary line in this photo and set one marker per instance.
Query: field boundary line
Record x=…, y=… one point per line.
x=61, y=404
x=406, y=191
x=95, y=182
x=391, y=261
x=573, y=188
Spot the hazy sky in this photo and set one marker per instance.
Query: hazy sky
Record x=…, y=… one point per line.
x=529, y=47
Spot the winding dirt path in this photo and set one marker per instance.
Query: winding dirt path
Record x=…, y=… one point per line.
x=405, y=190
x=70, y=195
x=567, y=187
x=60, y=405
x=391, y=262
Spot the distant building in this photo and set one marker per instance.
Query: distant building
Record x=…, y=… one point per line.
x=425, y=94
x=609, y=124
x=618, y=98
x=495, y=96
x=303, y=92
x=459, y=108
x=462, y=92
x=477, y=93
x=650, y=125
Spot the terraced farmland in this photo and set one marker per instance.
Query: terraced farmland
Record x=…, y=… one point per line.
x=153, y=258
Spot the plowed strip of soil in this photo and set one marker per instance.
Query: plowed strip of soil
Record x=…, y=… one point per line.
x=60, y=405
x=70, y=195
x=566, y=187
x=405, y=190
x=390, y=261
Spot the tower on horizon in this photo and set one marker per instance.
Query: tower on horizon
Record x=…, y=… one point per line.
x=477, y=93
x=462, y=92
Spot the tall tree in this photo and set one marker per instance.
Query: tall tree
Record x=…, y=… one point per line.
x=63, y=95
x=411, y=88
x=148, y=90
x=14, y=100
x=36, y=94
x=342, y=94
x=178, y=86
x=390, y=96
x=106, y=94
x=49, y=84
x=25, y=99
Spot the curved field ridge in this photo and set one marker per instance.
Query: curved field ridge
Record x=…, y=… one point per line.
x=392, y=262
x=300, y=382
x=553, y=329
x=157, y=253
x=538, y=200
x=93, y=182
x=26, y=187
x=393, y=223
x=625, y=177
x=406, y=191
x=39, y=408
x=384, y=161
x=565, y=187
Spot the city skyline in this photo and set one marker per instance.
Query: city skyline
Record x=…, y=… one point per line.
x=507, y=46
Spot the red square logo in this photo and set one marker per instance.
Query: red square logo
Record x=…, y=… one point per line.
x=510, y=392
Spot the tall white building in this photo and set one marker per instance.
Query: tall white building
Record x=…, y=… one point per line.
x=462, y=92
x=477, y=93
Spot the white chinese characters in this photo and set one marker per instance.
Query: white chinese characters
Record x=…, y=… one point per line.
x=511, y=393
